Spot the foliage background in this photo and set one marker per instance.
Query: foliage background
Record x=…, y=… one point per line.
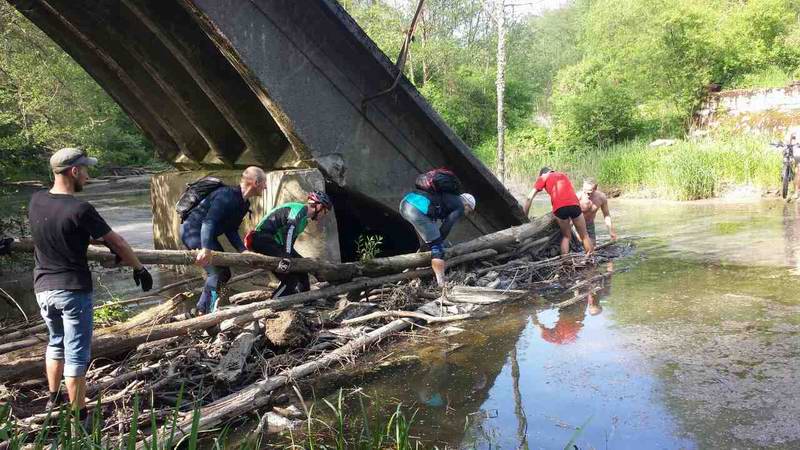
x=598, y=80
x=589, y=78
x=47, y=102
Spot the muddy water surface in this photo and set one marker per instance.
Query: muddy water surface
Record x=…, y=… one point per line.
x=695, y=345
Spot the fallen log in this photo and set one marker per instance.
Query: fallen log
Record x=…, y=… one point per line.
x=327, y=270
x=483, y=296
x=361, y=284
x=188, y=257
x=177, y=284
x=27, y=332
x=122, y=338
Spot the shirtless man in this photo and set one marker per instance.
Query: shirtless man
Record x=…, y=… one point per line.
x=592, y=200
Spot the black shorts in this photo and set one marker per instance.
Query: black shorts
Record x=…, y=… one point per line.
x=568, y=212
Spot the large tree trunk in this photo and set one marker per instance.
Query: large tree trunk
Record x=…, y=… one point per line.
x=327, y=270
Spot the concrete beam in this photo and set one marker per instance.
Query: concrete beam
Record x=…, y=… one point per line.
x=122, y=26
x=190, y=46
x=130, y=69
x=313, y=67
x=105, y=72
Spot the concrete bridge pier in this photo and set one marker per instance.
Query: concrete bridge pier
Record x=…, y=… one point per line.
x=333, y=239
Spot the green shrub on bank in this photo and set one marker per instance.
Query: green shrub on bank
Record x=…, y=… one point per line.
x=688, y=170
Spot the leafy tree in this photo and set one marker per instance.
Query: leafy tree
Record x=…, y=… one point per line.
x=47, y=101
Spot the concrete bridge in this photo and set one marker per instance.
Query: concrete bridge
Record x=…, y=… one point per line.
x=222, y=84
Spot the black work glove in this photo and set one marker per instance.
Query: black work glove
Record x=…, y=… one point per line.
x=142, y=277
x=283, y=266
x=5, y=246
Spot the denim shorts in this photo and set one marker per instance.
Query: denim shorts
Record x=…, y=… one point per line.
x=69, y=318
x=425, y=227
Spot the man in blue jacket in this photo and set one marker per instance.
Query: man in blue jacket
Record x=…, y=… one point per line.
x=221, y=212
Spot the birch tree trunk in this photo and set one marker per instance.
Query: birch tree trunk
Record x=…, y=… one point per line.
x=501, y=89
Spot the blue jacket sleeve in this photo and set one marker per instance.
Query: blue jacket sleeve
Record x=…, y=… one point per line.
x=217, y=211
x=456, y=208
x=235, y=240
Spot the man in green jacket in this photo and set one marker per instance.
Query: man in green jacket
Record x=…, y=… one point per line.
x=277, y=232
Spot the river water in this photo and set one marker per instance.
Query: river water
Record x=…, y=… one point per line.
x=125, y=205
x=694, y=345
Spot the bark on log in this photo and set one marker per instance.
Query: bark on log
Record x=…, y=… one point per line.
x=328, y=270
x=231, y=364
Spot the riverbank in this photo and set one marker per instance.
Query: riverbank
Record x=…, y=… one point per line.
x=708, y=167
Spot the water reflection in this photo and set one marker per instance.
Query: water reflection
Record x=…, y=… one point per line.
x=791, y=234
x=569, y=320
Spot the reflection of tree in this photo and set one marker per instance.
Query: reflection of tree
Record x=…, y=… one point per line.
x=519, y=410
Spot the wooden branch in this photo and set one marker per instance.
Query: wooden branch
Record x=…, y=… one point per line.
x=414, y=315
x=576, y=299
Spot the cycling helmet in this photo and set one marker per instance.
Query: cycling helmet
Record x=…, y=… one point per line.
x=469, y=199
x=321, y=198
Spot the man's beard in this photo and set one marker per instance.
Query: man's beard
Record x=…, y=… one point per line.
x=78, y=186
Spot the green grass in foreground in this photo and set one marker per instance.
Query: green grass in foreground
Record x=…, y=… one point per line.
x=688, y=170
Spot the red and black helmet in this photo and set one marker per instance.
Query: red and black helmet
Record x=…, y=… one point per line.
x=321, y=198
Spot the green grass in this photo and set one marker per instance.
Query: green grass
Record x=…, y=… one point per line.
x=338, y=431
x=62, y=429
x=688, y=170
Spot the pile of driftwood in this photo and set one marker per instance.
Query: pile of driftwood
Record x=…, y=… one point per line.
x=240, y=358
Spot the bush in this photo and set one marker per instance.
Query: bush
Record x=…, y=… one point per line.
x=688, y=170
x=590, y=108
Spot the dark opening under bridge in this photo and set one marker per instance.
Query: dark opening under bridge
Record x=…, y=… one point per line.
x=222, y=84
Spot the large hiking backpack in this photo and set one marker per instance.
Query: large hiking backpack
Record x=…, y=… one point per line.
x=439, y=181
x=195, y=193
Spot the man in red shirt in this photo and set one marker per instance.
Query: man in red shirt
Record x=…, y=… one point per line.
x=566, y=207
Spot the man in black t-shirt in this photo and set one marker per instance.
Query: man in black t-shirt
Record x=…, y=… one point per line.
x=62, y=227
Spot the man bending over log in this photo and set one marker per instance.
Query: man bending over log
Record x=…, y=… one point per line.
x=61, y=227
x=565, y=205
x=592, y=200
x=221, y=212
x=277, y=232
x=429, y=204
